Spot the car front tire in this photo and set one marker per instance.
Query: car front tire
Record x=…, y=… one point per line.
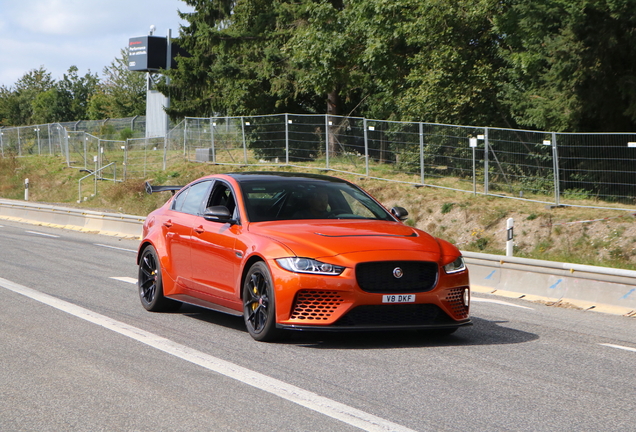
x=259, y=309
x=150, y=285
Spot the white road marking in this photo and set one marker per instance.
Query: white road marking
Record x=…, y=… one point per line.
x=113, y=247
x=42, y=234
x=499, y=302
x=307, y=399
x=125, y=279
x=619, y=347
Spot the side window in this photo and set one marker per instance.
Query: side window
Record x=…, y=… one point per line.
x=177, y=203
x=196, y=195
x=222, y=196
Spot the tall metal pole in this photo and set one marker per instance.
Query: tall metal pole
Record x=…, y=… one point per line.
x=168, y=66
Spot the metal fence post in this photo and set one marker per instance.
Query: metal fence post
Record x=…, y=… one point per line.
x=48, y=134
x=185, y=129
x=486, y=150
x=421, y=152
x=37, y=134
x=165, y=150
x=366, y=147
x=126, y=158
x=286, y=139
x=555, y=164
x=84, y=139
x=212, y=126
x=244, y=143
x=327, y=141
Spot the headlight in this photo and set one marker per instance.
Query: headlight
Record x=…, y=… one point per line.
x=456, y=266
x=308, y=265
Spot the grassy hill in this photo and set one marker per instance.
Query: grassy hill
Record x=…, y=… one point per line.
x=474, y=223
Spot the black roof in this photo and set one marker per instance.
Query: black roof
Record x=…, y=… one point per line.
x=285, y=176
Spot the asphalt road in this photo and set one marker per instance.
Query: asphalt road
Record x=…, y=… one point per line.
x=78, y=352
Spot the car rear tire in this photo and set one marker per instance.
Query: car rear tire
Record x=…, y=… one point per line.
x=150, y=285
x=259, y=309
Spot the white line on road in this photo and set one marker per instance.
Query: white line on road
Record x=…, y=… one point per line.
x=125, y=279
x=42, y=234
x=619, y=347
x=499, y=302
x=113, y=247
x=307, y=399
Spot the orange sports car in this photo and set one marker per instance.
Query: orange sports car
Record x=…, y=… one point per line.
x=291, y=251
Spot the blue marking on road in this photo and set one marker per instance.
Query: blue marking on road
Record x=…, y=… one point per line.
x=490, y=275
x=555, y=285
x=631, y=291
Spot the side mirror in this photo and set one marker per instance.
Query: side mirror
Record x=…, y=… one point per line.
x=218, y=214
x=400, y=213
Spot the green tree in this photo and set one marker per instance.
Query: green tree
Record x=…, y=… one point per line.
x=16, y=103
x=122, y=93
x=570, y=64
x=454, y=68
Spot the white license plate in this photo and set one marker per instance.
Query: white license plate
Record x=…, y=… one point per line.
x=398, y=298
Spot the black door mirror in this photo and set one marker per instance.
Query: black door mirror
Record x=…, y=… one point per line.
x=218, y=214
x=400, y=213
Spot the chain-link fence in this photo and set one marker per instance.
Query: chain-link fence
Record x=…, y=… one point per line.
x=112, y=129
x=48, y=139
x=595, y=170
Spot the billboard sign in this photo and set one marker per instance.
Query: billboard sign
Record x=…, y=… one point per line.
x=147, y=53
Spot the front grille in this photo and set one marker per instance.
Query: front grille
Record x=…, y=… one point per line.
x=313, y=305
x=394, y=316
x=455, y=302
x=378, y=277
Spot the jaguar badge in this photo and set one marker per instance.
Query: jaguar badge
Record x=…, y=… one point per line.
x=397, y=273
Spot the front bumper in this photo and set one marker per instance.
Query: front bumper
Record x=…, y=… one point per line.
x=307, y=302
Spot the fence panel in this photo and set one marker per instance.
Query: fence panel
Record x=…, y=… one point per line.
x=142, y=156
x=449, y=161
x=597, y=167
x=584, y=169
x=521, y=164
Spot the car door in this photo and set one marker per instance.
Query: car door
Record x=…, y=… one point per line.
x=178, y=228
x=215, y=260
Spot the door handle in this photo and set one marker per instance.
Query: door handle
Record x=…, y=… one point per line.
x=168, y=223
x=199, y=229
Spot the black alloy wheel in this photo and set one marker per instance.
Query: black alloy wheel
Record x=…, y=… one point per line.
x=150, y=284
x=258, y=304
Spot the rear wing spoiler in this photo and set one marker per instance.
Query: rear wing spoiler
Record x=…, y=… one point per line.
x=151, y=189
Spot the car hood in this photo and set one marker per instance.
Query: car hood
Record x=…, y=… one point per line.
x=324, y=239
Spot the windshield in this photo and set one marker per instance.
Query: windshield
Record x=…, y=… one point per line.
x=307, y=199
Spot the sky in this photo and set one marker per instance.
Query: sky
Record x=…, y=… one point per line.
x=89, y=34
